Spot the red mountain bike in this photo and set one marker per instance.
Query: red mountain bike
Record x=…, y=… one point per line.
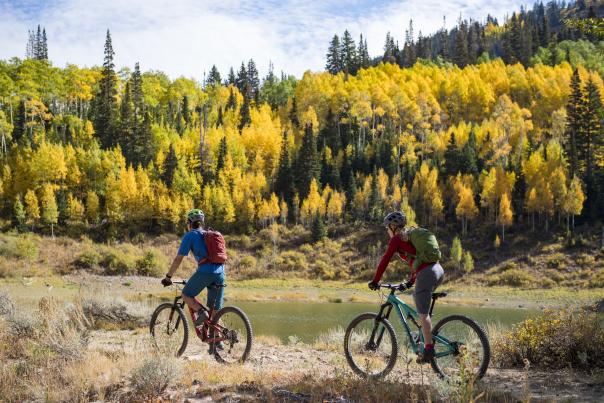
x=228, y=331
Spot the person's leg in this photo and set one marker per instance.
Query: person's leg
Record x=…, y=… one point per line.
x=425, y=284
x=194, y=286
x=215, y=295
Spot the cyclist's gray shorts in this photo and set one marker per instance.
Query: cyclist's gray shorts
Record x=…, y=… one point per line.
x=425, y=283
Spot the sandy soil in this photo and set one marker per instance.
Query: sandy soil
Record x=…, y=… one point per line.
x=282, y=363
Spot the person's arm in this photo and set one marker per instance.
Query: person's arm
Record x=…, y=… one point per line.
x=175, y=263
x=392, y=248
x=409, y=257
x=183, y=250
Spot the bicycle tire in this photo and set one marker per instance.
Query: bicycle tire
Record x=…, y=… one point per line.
x=393, y=341
x=249, y=336
x=183, y=321
x=484, y=340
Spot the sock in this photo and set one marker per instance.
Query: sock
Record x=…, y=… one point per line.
x=429, y=347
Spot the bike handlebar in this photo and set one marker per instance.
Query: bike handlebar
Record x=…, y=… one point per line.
x=396, y=287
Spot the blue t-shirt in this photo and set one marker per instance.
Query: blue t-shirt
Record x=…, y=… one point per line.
x=193, y=242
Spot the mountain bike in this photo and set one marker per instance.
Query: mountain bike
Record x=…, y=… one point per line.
x=461, y=346
x=227, y=331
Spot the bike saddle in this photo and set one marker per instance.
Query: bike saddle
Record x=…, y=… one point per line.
x=437, y=295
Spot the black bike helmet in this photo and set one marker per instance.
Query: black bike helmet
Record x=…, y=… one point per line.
x=396, y=219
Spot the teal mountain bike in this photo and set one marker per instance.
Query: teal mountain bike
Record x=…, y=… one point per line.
x=461, y=346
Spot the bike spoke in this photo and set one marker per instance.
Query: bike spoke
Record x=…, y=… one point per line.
x=233, y=335
x=168, y=331
x=459, y=350
x=371, y=355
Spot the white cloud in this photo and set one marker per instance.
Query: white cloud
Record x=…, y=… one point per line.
x=185, y=37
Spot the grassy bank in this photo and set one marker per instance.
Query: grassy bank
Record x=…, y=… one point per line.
x=139, y=288
x=280, y=263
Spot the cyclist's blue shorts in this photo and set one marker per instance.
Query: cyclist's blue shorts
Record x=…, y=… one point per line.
x=199, y=281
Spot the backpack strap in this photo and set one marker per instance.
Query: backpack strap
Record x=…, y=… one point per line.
x=203, y=259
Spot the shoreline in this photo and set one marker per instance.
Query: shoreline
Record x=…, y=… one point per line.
x=294, y=290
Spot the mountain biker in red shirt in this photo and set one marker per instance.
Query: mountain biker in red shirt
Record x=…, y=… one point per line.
x=426, y=277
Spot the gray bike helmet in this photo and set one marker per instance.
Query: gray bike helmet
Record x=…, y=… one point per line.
x=397, y=219
x=195, y=215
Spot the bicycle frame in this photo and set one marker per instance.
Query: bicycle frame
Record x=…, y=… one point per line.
x=208, y=324
x=405, y=312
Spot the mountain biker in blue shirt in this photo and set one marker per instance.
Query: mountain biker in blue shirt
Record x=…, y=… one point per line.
x=206, y=274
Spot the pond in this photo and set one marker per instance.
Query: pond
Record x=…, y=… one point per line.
x=307, y=320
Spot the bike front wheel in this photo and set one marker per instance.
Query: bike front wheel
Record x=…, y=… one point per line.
x=169, y=329
x=235, y=335
x=370, y=346
x=462, y=350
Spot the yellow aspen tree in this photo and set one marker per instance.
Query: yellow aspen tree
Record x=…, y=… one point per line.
x=532, y=205
x=32, y=208
x=75, y=211
x=92, y=207
x=506, y=215
x=312, y=205
x=573, y=204
x=466, y=208
x=113, y=203
x=283, y=211
x=273, y=208
x=264, y=213
x=545, y=201
x=50, y=211
x=335, y=206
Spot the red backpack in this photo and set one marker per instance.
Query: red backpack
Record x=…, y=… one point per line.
x=216, y=247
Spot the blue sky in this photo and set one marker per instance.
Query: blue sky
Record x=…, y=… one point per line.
x=185, y=37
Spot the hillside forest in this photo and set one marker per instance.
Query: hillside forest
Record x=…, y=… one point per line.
x=484, y=129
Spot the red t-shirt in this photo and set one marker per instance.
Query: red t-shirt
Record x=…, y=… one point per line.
x=396, y=244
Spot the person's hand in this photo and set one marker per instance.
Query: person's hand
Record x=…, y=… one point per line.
x=409, y=284
x=166, y=281
x=373, y=285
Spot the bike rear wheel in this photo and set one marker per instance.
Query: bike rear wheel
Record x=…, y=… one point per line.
x=235, y=334
x=170, y=329
x=370, y=346
x=462, y=349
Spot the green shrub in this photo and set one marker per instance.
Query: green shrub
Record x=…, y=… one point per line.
x=557, y=339
x=153, y=263
x=513, y=277
x=557, y=261
x=19, y=247
x=116, y=262
x=154, y=375
x=87, y=260
x=247, y=262
x=585, y=260
x=291, y=261
x=597, y=281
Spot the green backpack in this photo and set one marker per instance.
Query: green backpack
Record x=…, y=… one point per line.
x=426, y=246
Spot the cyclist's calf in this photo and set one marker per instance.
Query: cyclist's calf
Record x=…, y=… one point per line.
x=191, y=302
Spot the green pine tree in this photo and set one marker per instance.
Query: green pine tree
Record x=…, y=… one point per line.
x=334, y=64
x=308, y=167
x=318, y=230
x=19, y=212
x=348, y=54
x=575, y=113
x=127, y=124
x=222, y=153
x=170, y=165
x=284, y=182
x=105, y=116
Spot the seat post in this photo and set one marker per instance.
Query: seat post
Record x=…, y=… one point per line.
x=432, y=306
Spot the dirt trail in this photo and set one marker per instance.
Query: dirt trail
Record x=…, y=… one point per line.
x=282, y=363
